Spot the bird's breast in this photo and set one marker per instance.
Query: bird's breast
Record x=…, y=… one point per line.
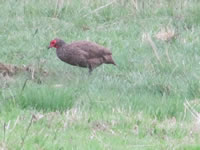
x=61, y=54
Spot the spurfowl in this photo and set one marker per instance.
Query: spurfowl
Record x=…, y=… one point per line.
x=82, y=53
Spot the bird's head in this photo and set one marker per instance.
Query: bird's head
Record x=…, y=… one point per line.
x=56, y=43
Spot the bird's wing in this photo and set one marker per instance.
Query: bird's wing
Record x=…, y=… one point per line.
x=90, y=49
x=74, y=56
x=75, y=51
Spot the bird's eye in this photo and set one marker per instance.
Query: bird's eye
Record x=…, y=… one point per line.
x=53, y=42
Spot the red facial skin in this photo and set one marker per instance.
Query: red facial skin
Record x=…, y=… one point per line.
x=52, y=44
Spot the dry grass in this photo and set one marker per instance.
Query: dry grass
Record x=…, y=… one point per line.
x=165, y=34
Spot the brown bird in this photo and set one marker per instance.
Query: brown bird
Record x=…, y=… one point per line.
x=82, y=53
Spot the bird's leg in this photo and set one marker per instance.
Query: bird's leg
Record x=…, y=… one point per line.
x=90, y=69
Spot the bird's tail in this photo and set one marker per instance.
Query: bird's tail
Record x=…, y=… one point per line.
x=113, y=63
x=108, y=60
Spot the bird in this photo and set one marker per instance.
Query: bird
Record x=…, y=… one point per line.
x=83, y=53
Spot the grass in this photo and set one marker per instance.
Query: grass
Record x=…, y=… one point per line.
x=137, y=105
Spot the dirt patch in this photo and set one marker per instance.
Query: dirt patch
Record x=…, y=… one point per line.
x=11, y=70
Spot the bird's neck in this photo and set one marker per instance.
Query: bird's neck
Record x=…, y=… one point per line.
x=60, y=51
x=60, y=44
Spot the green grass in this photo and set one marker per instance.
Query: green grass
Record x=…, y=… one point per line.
x=137, y=105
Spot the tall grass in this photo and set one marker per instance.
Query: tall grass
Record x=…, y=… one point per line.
x=139, y=81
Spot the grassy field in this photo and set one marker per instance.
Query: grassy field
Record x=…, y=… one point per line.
x=150, y=101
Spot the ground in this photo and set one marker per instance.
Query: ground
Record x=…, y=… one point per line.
x=149, y=101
